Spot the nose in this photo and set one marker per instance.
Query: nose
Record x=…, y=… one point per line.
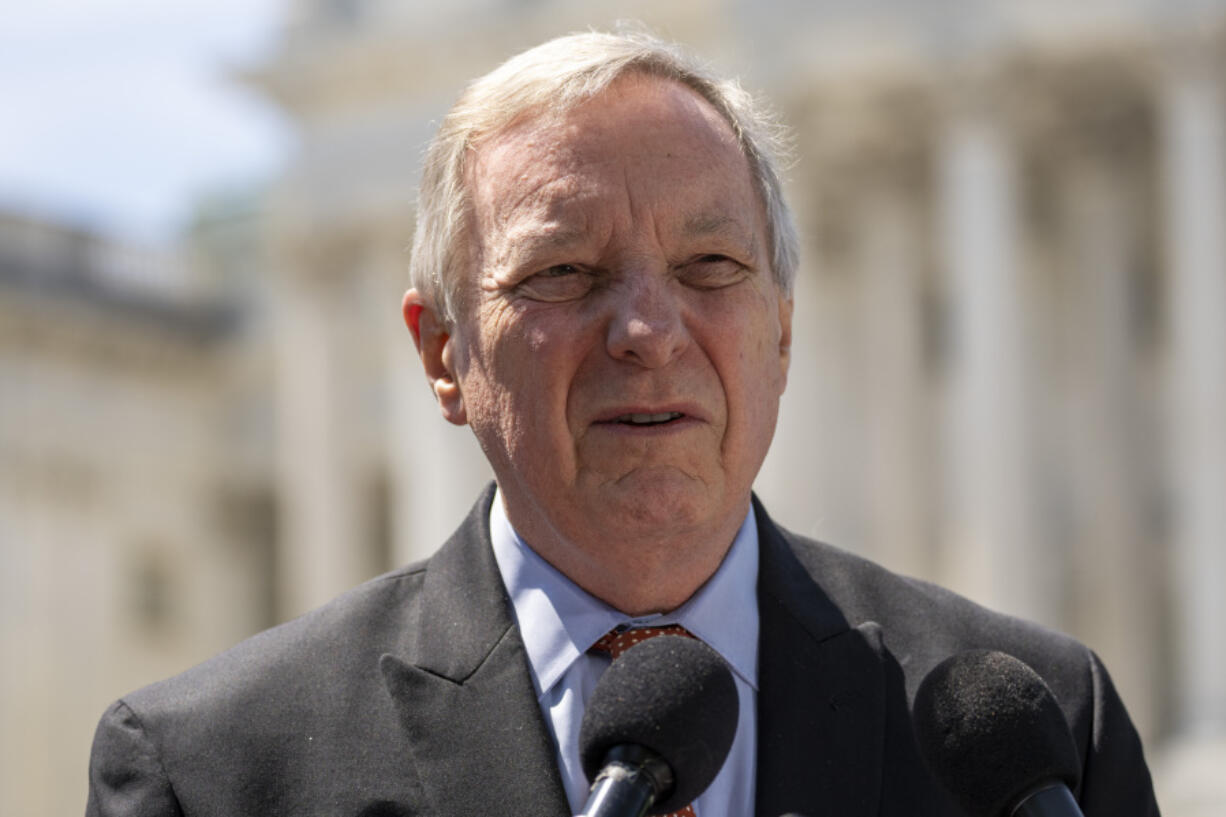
x=648, y=323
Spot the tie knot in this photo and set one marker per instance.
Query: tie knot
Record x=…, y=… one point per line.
x=617, y=641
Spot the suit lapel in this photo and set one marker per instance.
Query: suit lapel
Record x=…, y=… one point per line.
x=821, y=699
x=464, y=693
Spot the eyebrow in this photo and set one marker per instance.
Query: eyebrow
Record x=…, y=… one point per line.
x=535, y=241
x=523, y=248
x=554, y=237
x=707, y=223
x=700, y=225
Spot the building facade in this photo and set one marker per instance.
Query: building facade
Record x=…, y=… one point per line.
x=1009, y=362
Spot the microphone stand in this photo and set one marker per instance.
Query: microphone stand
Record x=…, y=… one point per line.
x=631, y=779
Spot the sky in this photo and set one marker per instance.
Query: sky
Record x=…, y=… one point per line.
x=117, y=115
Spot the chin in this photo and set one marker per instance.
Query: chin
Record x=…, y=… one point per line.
x=661, y=501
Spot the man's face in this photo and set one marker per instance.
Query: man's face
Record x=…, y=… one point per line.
x=621, y=345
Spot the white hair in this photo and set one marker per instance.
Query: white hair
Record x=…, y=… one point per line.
x=557, y=76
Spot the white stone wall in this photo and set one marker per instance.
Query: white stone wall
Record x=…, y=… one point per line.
x=116, y=566
x=1009, y=370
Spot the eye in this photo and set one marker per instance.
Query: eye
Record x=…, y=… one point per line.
x=561, y=282
x=712, y=271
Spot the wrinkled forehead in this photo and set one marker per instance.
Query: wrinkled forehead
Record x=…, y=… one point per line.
x=639, y=126
x=576, y=133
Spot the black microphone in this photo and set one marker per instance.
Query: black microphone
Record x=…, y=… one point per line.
x=657, y=728
x=991, y=732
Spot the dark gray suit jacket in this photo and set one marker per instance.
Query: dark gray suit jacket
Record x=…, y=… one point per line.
x=411, y=695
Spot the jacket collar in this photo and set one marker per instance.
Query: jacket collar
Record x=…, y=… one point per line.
x=821, y=700
x=464, y=694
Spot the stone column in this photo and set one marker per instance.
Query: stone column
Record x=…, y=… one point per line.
x=994, y=548
x=1113, y=564
x=320, y=540
x=891, y=260
x=812, y=478
x=1193, y=128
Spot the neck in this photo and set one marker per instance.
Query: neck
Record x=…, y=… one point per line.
x=636, y=572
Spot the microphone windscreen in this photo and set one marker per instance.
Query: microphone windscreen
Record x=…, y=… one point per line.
x=674, y=696
x=990, y=731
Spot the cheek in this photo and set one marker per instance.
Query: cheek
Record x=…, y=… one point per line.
x=746, y=352
x=528, y=371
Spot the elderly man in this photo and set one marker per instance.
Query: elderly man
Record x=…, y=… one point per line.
x=602, y=277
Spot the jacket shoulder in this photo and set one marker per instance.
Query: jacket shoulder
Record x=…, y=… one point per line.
x=298, y=719
x=267, y=716
x=922, y=623
x=336, y=639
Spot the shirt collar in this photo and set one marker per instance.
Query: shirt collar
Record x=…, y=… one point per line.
x=558, y=620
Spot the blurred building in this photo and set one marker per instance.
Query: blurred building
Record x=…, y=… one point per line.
x=136, y=507
x=1009, y=372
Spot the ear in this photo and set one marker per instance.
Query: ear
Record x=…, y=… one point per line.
x=435, y=346
x=785, y=335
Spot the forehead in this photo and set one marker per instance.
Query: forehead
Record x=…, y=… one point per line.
x=643, y=136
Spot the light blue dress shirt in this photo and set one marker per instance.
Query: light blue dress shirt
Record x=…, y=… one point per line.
x=559, y=621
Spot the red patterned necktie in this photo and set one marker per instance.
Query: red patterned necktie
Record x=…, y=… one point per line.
x=616, y=642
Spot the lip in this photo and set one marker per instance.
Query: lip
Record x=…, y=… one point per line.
x=612, y=418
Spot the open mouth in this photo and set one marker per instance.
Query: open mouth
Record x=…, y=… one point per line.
x=648, y=419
